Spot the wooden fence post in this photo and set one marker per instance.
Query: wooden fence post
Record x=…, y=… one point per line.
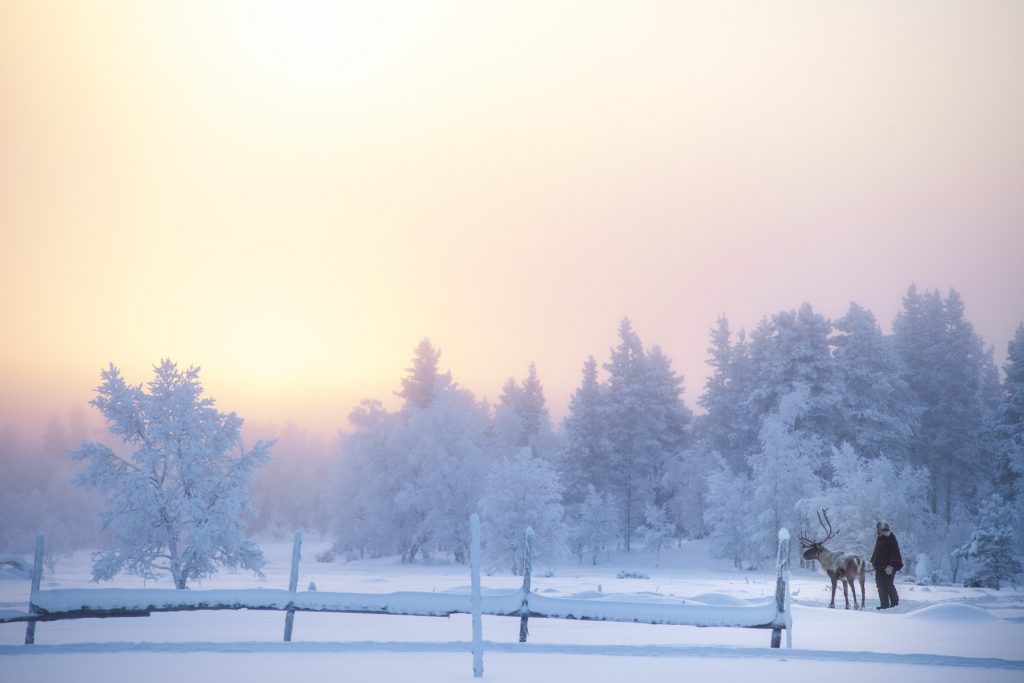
x=524, y=609
x=293, y=584
x=37, y=574
x=781, y=591
x=474, y=595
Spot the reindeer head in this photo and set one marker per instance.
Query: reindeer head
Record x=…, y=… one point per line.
x=811, y=548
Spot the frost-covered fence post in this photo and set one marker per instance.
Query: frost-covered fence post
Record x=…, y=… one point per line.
x=293, y=584
x=37, y=573
x=474, y=595
x=524, y=609
x=781, y=593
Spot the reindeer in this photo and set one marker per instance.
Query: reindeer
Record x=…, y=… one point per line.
x=839, y=566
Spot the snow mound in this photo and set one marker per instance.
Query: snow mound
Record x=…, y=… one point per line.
x=717, y=599
x=588, y=595
x=14, y=574
x=14, y=568
x=466, y=590
x=956, y=611
x=646, y=597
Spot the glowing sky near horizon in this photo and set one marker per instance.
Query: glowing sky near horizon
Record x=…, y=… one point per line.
x=291, y=195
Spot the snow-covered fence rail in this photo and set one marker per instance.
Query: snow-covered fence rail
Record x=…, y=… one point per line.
x=58, y=604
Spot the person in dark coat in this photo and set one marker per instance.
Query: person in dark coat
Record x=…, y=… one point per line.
x=886, y=560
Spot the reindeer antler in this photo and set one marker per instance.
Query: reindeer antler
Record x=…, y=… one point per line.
x=826, y=525
x=806, y=541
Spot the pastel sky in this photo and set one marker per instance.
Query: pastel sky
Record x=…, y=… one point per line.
x=291, y=195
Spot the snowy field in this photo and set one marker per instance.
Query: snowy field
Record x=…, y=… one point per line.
x=937, y=633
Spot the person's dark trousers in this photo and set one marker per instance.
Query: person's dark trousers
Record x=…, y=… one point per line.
x=886, y=583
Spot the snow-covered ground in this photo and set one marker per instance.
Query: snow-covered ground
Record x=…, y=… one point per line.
x=937, y=633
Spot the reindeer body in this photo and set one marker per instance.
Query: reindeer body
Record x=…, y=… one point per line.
x=840, y=566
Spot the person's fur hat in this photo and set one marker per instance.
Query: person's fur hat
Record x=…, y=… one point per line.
x=881, y=526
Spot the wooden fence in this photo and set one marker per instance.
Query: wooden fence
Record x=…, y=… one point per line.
x=53, y=605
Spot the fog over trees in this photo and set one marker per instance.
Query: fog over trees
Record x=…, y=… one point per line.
x=917, y=427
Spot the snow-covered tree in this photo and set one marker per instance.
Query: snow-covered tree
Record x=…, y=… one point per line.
x=657, y=530
x=792, y=349
x=366, y=482
x=944, y=362
x=177, y=502
x=729, y=517
x=726, y=428
x=522, y=491
x=408, y=481
x=627, y=429
x=593, y=525
x=782, y=472
x=521, y=418
x=865, y=490
x=647, y=423
x=877, y=412
x=686, y=480
x=991, y=546
x=585, y=462
x=1010, y=433
x=423, y=381
x=445, y=459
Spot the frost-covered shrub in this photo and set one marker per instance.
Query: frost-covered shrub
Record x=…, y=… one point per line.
x=631, y=574
x=328, y=555
x=927, y=575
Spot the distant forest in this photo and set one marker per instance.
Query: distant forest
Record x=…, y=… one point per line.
x=917, y=427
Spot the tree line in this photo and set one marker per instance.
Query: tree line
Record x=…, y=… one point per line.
x=916, y=427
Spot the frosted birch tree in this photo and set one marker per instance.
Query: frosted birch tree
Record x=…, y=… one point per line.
x=522, y=491
x=177, y=494
x=593, y=525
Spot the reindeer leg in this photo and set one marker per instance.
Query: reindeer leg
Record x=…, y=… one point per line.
x=846, y=595
x=832, y=604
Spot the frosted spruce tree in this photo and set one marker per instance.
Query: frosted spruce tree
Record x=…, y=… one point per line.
x=726, y=428
x=423, y=380
x=628, y=430
x=521, y=418
x=877, y=413
x=1010, y=434
x=646, y=426
x=788, y=351
x=178, y=494
x=944, y=362
x=585, y=462
x=991, y=547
